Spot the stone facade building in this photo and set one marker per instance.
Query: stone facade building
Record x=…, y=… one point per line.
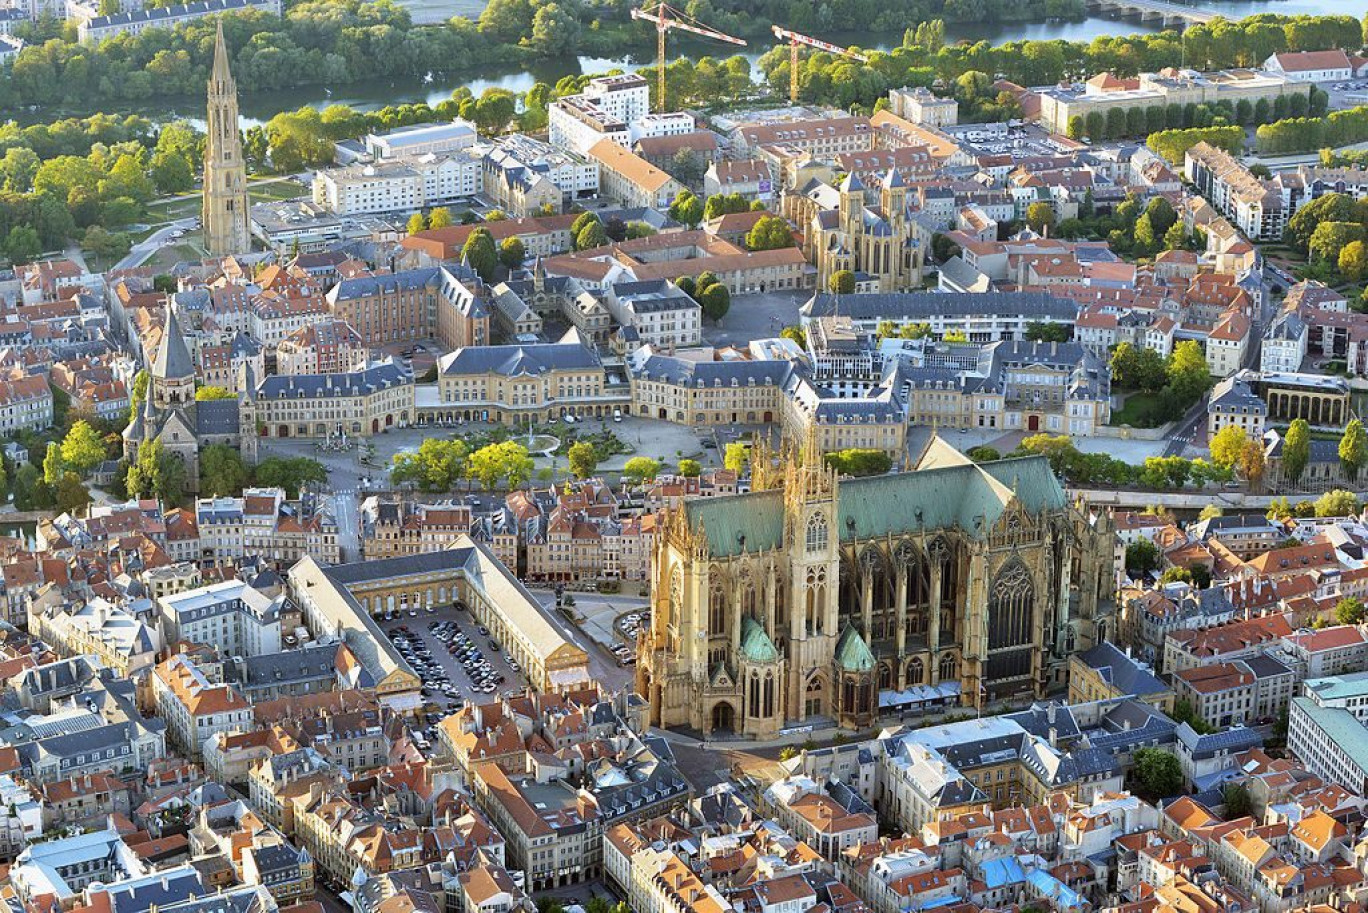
x=808, y=596
x=225, y=172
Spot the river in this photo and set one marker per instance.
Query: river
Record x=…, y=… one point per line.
x=259, y=107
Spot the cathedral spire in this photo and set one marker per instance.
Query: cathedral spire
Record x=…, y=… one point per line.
x=225, y=174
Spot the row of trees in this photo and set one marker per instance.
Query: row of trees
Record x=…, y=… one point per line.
x=829, y=79
x=1296, y=451
x=1077, y=467
x=1222, y=116
x=1172, y=145
x=1336, y=503
x=1307, y=134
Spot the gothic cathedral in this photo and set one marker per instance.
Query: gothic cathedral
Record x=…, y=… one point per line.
x=225, y=173
x=809, y=597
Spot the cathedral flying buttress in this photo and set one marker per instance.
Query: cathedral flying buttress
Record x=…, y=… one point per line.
x=815, y=599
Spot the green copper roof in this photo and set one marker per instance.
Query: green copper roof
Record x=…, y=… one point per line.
x=951, y=494
x=758, y=516
x=756, y=646
x=852, y=653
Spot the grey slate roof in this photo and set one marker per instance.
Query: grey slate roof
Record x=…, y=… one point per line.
x=173, y=358
x=217, y=416
x=914, y=305
x=287, y=386
x=1121, y=671
x=515, y=360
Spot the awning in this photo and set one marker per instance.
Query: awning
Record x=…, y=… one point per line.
x=920, y=694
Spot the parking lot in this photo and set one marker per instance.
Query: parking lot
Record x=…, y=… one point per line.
x=456, y=661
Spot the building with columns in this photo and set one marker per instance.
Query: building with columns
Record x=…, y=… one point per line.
x=805, y=598
x=1278, y=398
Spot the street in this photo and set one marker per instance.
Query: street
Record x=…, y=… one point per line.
x=149, y=245
x=1188, y=429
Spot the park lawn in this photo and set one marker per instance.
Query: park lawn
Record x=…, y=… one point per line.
x=1136, y=405
x=268, y=191
x=168, y=256
x=181, y=207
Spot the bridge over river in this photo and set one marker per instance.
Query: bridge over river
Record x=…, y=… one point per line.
x=1167, y=14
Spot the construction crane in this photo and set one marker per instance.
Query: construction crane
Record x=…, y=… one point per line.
x=795, y=39
x=665, y=18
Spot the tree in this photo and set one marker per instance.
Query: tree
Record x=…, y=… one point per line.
x=769, y=233
x=954, y=336
x=1353, y=261
x=842, y=282
x=795, y=334
x=721, y=204
x=1329, y=239
x=1227, y=445
x=1188, y=373
x=290, y=473
x=204, y=394
x=1142, y=557
x=1158, y=773
x=1040, y=331
x=1337, y=503
x=1349, y=611
x=582, y=458
x=157, y=473
x=512, y=252
x=1162, y=215
x=83, y=448
x=138, y=393
x=983, y=454
x=687, y=208
x=437, y=465
x=736, y=457
x=641, y=469
x=53, y=467
x=222, y=471
x=1183, y=712
x=1332, y=207
x=555, y=30
x=1296, y=449
x=591, y=236
x=1353, y=449
x=416, y=223
x=1040, y=217
x=716, y=301
x=1235, y=798
x=71, y=494
x=480, y=253
x=688, y=167
x=440, y=217
x=1210, y=512
x=690, y=469
x=1176, y=238
x=508, y=460
x=859, y=462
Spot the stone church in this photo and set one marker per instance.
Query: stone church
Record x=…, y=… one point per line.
x=806, y=598
x=169, y=412
x=868, y=231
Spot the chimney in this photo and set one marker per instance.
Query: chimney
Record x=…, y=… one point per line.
x=1054, y=737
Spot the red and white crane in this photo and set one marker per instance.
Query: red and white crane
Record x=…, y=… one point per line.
x=666, y=18
x=795, y=39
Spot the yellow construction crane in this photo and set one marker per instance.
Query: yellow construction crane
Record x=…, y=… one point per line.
x=795, y=39
x=665, y=18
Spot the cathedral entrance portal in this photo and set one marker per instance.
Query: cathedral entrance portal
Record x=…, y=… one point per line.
x=723, y=719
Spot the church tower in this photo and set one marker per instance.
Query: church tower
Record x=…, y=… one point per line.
x=173, y=372
x=225, y=173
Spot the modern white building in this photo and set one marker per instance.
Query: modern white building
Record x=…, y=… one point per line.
x=422, y=140
x=1330, y=742
x=399, y=184
x=604, y=110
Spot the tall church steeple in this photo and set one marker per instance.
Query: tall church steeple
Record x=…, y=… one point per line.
x=225, y=173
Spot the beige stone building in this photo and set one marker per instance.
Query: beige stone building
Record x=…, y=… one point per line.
x=630, y=179
x=517, y=383
x=359, y=404
x=805, y=598
x=868, y=232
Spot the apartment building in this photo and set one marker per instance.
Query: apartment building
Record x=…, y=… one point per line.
x=658, y=310
x=232, y=616
x=412, y=305
x=326, y=347
x=821, y=137
x=1259, y=208
x=400, y=185
x=521, y=174
x=25, y=404
x=609, y=107
x=194, y=707
x=101, y=28
x=629, y=179
x=263, y=523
